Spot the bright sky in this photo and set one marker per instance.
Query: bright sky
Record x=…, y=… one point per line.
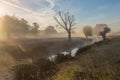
x=87, y=12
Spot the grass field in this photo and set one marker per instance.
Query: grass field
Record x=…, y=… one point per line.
x=100, y=62
x=22, y=50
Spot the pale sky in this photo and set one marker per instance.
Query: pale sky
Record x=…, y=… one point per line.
x=87, y=12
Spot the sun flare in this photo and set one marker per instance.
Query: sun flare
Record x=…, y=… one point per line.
x=2, y=10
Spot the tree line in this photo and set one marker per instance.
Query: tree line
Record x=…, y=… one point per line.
x=12, y=25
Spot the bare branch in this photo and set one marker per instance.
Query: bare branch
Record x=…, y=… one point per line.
x=59, y=22
x=66, y=21
x=62, y=17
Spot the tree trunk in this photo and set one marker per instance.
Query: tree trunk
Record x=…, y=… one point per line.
x=69, y=36
x=104, y=37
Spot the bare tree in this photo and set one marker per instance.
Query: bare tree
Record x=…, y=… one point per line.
x=66, y=21
x=87, y=30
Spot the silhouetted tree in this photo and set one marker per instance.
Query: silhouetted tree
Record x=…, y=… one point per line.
x=104, y=32
x=50, y=30
x=87, y=30
x=35, y=28
x=98, y=28
x=66, y=21
x=25, y=29
x=12, y=25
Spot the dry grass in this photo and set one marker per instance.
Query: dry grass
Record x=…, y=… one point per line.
x=6, y=61
x=98, y=63
x=20, y=51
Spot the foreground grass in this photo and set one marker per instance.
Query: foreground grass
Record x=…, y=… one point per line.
x=20, y=51
x=6, y=62
x=101, y=62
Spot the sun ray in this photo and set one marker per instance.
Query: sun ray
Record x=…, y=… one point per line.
x=1, y=10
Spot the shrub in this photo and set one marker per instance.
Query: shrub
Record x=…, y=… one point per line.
x=41, y=69
x=83, y=49
x=44, y=64
x=62, y=58
x=46, y=68
x=25, y=72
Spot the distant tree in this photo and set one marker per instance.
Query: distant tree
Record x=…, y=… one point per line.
x=50, y=30
x=99, y=28
x=66, y=21
x=11, y=25
x=23, y=21
x=14, y=26
x=25, y=27
x=87, y=30
x=102, y=30
x=35, y=28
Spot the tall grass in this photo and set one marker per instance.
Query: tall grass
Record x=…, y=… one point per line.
x=6, y=61
x=98, y=63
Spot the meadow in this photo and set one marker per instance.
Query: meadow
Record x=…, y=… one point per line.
x=100, y=62
x=20, y=51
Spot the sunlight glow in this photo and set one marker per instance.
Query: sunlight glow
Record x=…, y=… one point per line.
x=2, y=10
x=1, y=14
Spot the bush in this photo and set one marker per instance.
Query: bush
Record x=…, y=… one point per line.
x=42, y=69
x=25, y=72
x=62, y=58
x=83, y=49
x=46, y=68
x=44, y=64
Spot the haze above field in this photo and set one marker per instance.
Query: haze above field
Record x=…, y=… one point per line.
x=87, y=12
x=59, y=39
